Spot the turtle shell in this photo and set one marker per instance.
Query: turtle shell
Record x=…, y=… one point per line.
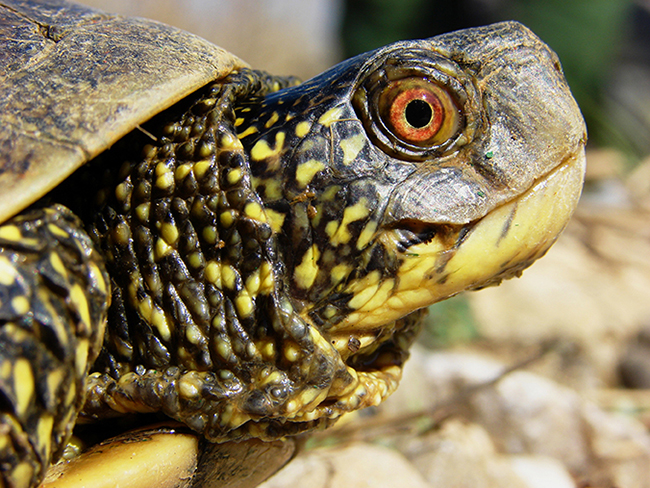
x=54, y=56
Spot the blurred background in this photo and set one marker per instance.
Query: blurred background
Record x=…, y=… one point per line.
x=582, y=313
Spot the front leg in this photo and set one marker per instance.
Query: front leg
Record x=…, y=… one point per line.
x=53, y=301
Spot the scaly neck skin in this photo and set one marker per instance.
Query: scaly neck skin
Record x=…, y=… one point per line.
x=324, y=186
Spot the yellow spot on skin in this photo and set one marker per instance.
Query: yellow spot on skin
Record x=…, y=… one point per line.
x=366, y=235
x=58, y=265
x=276, y=219
x=234, y=176
x=57, y=231
x=21, y=475
x=291, y=352
x=122, y=192
x=189, y=385
x=307, y=170
x=266, y=278
x=169, y=233
x=8, y=273
x=305, y=273
x=351, y=147
x=23, y=385
x=142, y=211
x=253, y=283
x=182, y=171
x=201, y=167
x=193, y=334
x=224, y=350
x=261, y=150
x=81, y=357
x=230, y=142
x=160, y=322
x=54, y=381
x=339, y=272
x=20, y=305
x=239, y=121
x=227, y=218
x=302, y=128
x=44, y=430
x=254, y=211
x=228, y=276
x=342, y=235
x=165, y=181
x=209, y=234
x=161, y=249
x=272, y=120
x=78, y=299
x=244, y=304
x=272, y=188
x=121, y=234
x=10, y=233
x=251, y=130
x=332, y=115
x=213, y=273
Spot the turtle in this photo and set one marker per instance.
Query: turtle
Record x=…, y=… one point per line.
x=185, y=237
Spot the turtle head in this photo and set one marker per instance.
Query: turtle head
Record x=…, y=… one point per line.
x=406, y=175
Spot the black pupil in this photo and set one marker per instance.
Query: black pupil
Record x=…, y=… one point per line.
x=418, y=113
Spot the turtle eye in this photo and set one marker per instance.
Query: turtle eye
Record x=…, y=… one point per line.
x=419, y=112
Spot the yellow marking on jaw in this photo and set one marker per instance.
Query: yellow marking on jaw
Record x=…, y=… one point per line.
x=272, y=188
x=351, y=147
x=340, y=234
x=261, y=150
x=251, y=130
x=23, y=385
x=379, y=298
x=332, y=115
x=276, y=219
x=305, y=273
x=366, y=235
x=11, y=233
x=272, y=120
x=339, y=272
x=8, y=272
x=302, y=128
x=239, y=121
x=96, y=273
x=254, y=211
x=307, y=170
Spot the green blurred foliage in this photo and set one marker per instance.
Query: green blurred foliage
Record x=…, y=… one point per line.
x=586, y=34
x=449, y=323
